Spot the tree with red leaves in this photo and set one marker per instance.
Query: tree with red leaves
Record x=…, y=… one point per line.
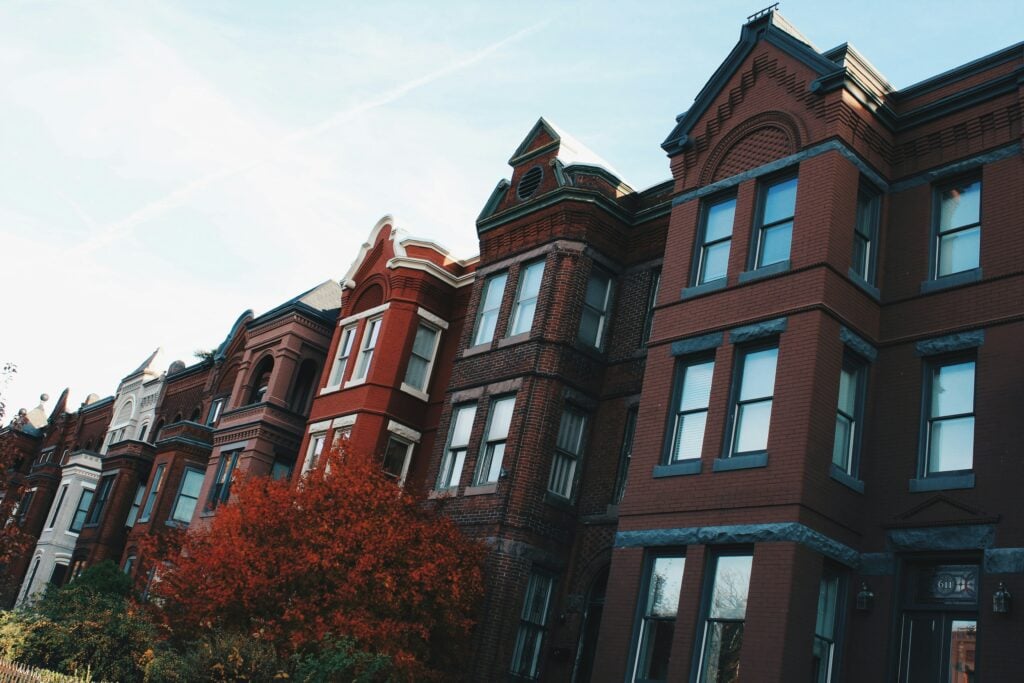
x=343, y=554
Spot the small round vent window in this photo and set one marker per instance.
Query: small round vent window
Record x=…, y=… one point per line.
x=529, y=183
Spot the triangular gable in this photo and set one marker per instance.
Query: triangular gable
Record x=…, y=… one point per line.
x=939, y=510
x=541, y=138
x=375, y=250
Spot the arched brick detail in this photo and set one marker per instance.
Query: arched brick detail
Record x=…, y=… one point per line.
x=758, y=140
x=371, y=296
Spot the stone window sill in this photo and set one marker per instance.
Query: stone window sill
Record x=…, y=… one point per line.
x=942, y=482
x=678, y=469
x=765, y=271
x=955, y=280
x=846, y=480
x=480, y=490
x=434, y=494
x=864, y=284
x=741, y=462
x=509, y=341
x=704, y=288
x=474, y=350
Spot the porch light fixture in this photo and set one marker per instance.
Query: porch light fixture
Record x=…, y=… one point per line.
x=1001, y=600
x=865, y=598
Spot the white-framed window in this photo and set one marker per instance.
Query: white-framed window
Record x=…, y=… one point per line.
x=366, y=349
x=752, y=402
x=499, y=419
x=458, y=444
x=314, y=451
x=530, y=278
x=663, y=582
x=596, y=303
x=958, y=229
x=58, y=506
x=398, y=452
x=154, y=490
x=216, y=408
x=78, y=519
x=568, y=451
x=533, y=621
x=421, y=359
x=188, y=496
x=348, y=336
x=490, y=307
x=133, y=513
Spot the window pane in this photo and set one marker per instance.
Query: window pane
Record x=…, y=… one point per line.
x=951, y=445
x=597, y=291
x=495, y=288
x=394, y=457
x=530, y=280
x=463, y=425
x=848, y=391
x=962, y=642
x=524, y=317
x=723, y=643
x=501, y=418
x=416, y=373
x=590, y=326
x=666, y=581
x=752, y=423
x=732, y=581
x=827, y=594
x=570, y=432
x=780, y=201
x=423, y=345
x=775, y=243
x=485, y=327
x=841, y=446
x=860, y=256
x=538, y=592
x=953, y=390
x=689, y=436
x=758, y=374
x=719, y=221
x=959, y=251
x=495, y=454
x=655, y=649
x=193, y=482
x=697, y=386
x=960, y=206
x=716, y=262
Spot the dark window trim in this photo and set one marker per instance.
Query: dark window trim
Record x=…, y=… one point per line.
x=763, y=185
x=453, y=420
x=873, y=196
x=830, y=568
x=699, y=246
x=512, y=319
x=485, y=288
x=678, y=376
x=971, y=274
x=78, y=508
x=177, y=495
x=650, y=556
x=653, y=286
x=625, y=453
x=99, y=501
x=60, y=504
x=606, y=314
x=711, y=558
x=861, y=368
x=485, y=442
x=152, y=491
x=545, y=629
x=738, y=364
x=956, y=479
x=228, y=460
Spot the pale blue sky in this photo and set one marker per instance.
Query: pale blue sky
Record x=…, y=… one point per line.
x=164, y=166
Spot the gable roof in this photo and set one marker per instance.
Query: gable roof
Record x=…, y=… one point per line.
x=570, y=151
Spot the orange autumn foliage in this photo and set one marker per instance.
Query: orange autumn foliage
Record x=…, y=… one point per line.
x=347, y=554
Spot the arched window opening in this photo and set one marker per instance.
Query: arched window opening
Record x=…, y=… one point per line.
x=302, y=390
x=155, y=434
x=142, y=431
x=196, y=414
x=261, y=381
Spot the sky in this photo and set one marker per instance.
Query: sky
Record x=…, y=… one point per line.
x=165, y=166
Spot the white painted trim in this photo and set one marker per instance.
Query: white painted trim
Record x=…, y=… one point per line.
x=355, y=382
x=404, y=432
x=431, y=269
x=344, y=421
x=321, y=426
x=347, y=280
x=437, y=321
x=413, y=391
x=427, y=243
x=368, y=313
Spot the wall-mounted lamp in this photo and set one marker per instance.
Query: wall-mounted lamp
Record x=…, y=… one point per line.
x=1001, y=599
x=865, y=598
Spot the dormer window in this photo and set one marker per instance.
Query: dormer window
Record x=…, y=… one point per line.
x=529, y=183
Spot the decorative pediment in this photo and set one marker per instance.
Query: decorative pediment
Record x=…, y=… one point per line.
x=941, y=510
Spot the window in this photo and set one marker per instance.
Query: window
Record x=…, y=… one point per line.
x=663, y=581
x=775, y=225
x=568, y=450
x=723, y=627
x=625, y=455
x=424, y=347
x=849, y=416
x=949, y=427
x=281, y=469
x=133, y=513
x=458, y=444
x=825, y=628
x=865, y=234
x=188, y=496
x=498, y=422
x=142, y=432
x=652, y=300
x=154, y=490
x=366, y=350
x=58, y=506
x=532, y=625
x=83, y=507
x=693, y=393
x=958, y=233
x=715, y=240
x=23, y=506
x=215, y=410
x=490, y=306
x=526, y=298
x=102, y=495
x=595, y=308
x=348, y=336
x=316, y=448
x=396, y=458
x=129, y=563
x=752, y=409
x=221, y=489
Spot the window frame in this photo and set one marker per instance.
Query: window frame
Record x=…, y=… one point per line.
x=100, y=498
x=526, y=627
x=936, y=231
x=860, y=369
x=932, y=366
x=483, y=312
x=171, y=519
x=429, y=369
x=485, y=461
x=604, y=314
x=136, y=507
x=652, y=301
x=342, y=355
x=146, y=512
x=58, y=506
x=739, y=365
x=683, y=363
x=869, y=210
x=707, y=597
x=831, y=572
x=367, y=346
x=23, y=505
x=220, y=487
x=641, y=617
x=79, y=509
x=702, y=245
x=625, y=453
x=760, y=227
x=313, y=455
x=216, y=410
x=518, y=303
x=451, y=467
x=406, y=457
x=562, y=455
